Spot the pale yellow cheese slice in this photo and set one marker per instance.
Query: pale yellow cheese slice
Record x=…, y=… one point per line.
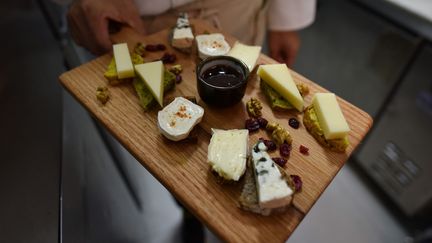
x=279, y=78
x=330, y=116
x=123, y=61
x=152, y=73
x=245, y=53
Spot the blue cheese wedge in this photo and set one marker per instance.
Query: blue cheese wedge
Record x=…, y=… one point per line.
x=273, y=191
x=177, y=119
x=227, y=152
x=212, y=45
x=182, y=37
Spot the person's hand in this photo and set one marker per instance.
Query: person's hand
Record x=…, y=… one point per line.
x=284, y=46
x=89, y=20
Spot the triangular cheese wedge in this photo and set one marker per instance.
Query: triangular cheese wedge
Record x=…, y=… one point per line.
x=279, y=78
x=152, y=73
x=247, y=54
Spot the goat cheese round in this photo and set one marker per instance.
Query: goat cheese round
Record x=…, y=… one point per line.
x=177, y=119
x=212, y=45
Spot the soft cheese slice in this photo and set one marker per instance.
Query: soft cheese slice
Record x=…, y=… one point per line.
x=227, y=152
x=123, y=61
x=247, y=54
x=152, y=73
x=273, y=190
x=279, y=78
x=176, y=120
x=330, y=116
x=212, y=45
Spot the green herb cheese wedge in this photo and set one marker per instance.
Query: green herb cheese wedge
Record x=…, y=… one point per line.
x=145, y=96
x=310, y=121
x=111, y=71
x=278, y=76
x=276, y=100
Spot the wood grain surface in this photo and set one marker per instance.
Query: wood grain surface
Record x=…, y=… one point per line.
x=182, y=167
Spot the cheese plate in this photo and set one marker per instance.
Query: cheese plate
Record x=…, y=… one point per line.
x=182, y=167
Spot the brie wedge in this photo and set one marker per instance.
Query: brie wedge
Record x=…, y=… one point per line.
x=227, y=152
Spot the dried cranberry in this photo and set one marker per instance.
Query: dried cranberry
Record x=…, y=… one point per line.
x=160, y=47
x=271, y=146
x=262, y=122
x=280, y=161
x=285, y=150
x=151, y=48
x=304, y=150
x=252, y=125
x=165, y=58
x=297, y=182
x=294, y=123
x=168, y=58
x=178, y=79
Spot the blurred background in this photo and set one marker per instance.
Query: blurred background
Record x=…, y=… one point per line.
x=63, y=178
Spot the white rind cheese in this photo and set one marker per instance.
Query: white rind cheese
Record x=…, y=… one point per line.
x=182, y=34
x=176, y=120
x=211, y=45
x=330, y=116
x=152, y=74
x=227, y=152
x=279, y=78
x=273, y=191
x=123, y=61
x=248, y=54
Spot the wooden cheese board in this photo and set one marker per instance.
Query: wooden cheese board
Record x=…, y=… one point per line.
x=182, y=167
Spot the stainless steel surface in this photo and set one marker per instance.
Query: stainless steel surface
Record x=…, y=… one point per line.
x=404, y=16
x=353, y=53
x=421, y=8
x=397, y=152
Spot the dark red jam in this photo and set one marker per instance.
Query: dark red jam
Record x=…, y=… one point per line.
x=222, y=76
